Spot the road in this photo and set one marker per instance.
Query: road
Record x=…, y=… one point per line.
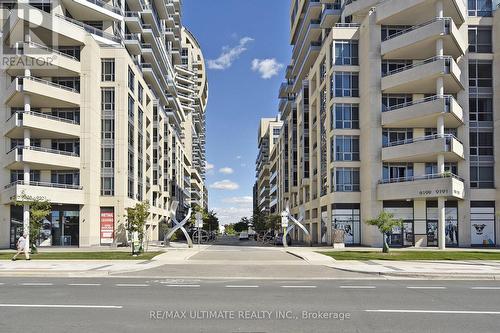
x=144, y=305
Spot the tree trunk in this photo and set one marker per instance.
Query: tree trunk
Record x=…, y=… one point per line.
x=385, y=249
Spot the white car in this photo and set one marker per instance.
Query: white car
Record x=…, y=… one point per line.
x=244, y=235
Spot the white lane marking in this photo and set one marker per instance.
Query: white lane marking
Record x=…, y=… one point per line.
x=74, y=306
x=184, y=285
x=424, y=287
x=485, y=288
x=298, y=287
x=131, y=285
x=357, y=287
x=436, y=311
x=84, y=284
x=36, y=284
x=241, y=286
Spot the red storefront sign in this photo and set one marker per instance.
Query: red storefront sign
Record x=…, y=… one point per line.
x=107, y=225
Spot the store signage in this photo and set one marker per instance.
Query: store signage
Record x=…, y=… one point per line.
x=107, y=225
x=438, y=192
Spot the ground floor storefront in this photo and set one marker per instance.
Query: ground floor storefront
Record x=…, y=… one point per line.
x=420, y=224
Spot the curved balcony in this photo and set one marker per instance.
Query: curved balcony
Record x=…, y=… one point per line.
x=404, y=12
x=424, y=113
x=419, y=42
x=42, y=126
x=359, y=7
x=445, y=185
x=44, y=94
x=54, y=192
x=42, y=158
x=424, y=149
x=421, y=77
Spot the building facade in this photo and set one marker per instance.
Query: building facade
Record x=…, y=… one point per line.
x=95, y=116
x=392, y=106
x=266, y=186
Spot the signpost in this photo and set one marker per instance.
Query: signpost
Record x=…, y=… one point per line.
x=199, y=225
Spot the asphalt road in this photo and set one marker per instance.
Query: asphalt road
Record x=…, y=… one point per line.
x=149, y=305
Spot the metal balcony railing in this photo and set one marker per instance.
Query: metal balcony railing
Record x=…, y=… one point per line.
x=422, y=138
x=91, y=29
x=448, y=60
x=50, y=83
x=107, y=6
x=446, y=98
x=447, y=21
x=20, y=114
x=44, y=184
x=425, y=177
x=46, y=48
x=45, y=150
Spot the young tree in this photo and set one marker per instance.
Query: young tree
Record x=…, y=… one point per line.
x=242, y=225
x=136, y=221
x=211, y=221
x=229, y=229
x=385, y=222
x=259, y=221
x=273, y=222
x=40, y=208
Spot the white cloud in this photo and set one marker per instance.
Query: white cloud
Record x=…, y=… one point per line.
x=231, y=215
x=238, y=157
x=226, y=170
x=267, y=68
x=209, y=166
x=229, y=55
x=241, y=201
x=225, y=184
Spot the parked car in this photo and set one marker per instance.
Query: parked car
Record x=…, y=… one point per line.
x=278, y=240
x=244, y=235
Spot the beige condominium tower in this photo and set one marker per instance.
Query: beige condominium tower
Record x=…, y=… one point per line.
x=392, y=105
x=103, y=106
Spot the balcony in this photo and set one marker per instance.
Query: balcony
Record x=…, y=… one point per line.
x=404, y=12
x=132, y=43
x=424, y=149
x=55, y=193
x=42, y=126
x=299, y=27
x=424, y=113
x=41, y=158
x=419, y=42
x=424, y=187
x=133, y=21
x=93, y=9
x=43, y=93
x=357, y=7
x=45, y=61
x=420, y=77
x=330, y=15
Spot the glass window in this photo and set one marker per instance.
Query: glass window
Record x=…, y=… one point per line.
x=391, y=136
x=480, y=7
x=346, y=148
x=107, y=158
x=480, y=39
x=107, y=186
x=131, y=79
x=481, y=143
x=108, y=99
x=482, y=176
x=345, y=84
x=480, y=74
x=390, y=100
x=346, y=179
x=108, y=69
x=397, y=171
x=345, y=116
x=480, y=109
x=345, y=53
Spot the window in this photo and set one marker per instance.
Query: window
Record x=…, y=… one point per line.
x=345, y=53
x=393, y=135
x=346, y=179
x=140, y=93
x=480, y=74
x=392, y=171
x=345, y=84
x=130, y=108
x=482, y=176
x=107, y=186
x=392, y=65
x=389, y=30
x=480, y=39
x=480, y=7
x=107, y=70
x=70, y=146
x=108, y=129
x=345, y=116
x=107, y=158
x=68, y=114
x=65, y=177
x=346, y=148
x=390, y=100
x=18, y=175
x=20, y=143
x=481, y=143
x=432, y=169
x=108, y=99
x=69, y=82
x=131, y=79
x=480, y=109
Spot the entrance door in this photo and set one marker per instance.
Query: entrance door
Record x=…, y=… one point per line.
x=432, y=233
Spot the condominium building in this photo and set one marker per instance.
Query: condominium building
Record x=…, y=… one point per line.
x=264, y=193
x=392, y=106
x=97, y=115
